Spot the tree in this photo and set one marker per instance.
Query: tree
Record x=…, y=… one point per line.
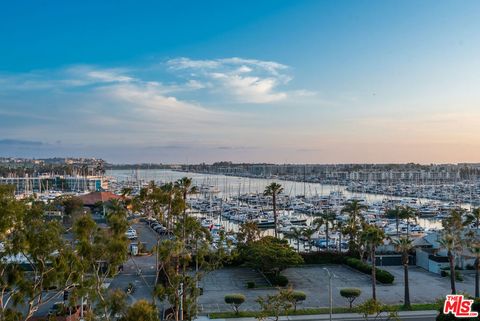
x=248, y=232
x=340, y=227
x=395, y=213
x=404, y=245
x=273, y=189
x=235, y=300
x=141, y=311
x=372, y=236
x=100, y=252
x=276, y=304
x=297, y=298
x=308, y=233
x=271, y=255
x=297, y=234
x=27, y=236
x=449, y=242
x=374, y=310
x=176, y=256
x=351, y=294
x=408, y=213
x=475, y=248
x=452, y=240
x=353, y=209
x=327, y=219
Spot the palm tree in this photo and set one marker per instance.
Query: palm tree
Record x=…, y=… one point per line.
x=340, y=227
x=326, y=218
x=474, y=217
x=372, y=236
x=404, y=245
x=297, y=233
x=273, y=189
x=408, y=213
x=449, y=242
x=394, y=213
x=353, y=209
x=475, y=248
x=308, y=233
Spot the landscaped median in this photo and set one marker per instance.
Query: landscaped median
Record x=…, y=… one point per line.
x=336, y=310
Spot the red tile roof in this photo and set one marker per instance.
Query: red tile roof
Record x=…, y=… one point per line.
x=95, y=197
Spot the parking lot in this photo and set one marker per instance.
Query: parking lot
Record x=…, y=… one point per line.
x=313, y=280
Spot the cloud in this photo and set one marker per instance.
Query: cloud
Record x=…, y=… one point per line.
x=19, y=142
x=246, y=80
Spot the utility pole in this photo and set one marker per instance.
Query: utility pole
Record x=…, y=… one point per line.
x=330, y=292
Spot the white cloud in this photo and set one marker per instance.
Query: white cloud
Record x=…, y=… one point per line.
x=246, y=80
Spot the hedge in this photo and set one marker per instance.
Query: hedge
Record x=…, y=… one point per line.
x=323, y=258
x=382, y=276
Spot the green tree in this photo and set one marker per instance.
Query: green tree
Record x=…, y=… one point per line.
x=248, y=232
x=141, y=311
x=271, y=255
x=297, y=298
x=351, y=294
x=404, y=246
x=235, y=300
x=273, y=189
x=372, y=236
x=100, y=251
x=374, y=310
x=275, y=304
x=354, y=209
x=327, y=219
x=395, y=213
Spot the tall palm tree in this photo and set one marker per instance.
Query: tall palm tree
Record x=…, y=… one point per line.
x=353, y=209
x=340, y=227
x=372, y=236
x=273, y=189
x=449, y=242
x=404, y=245
x=185, y=187
x=326, y=218
x=475, y=248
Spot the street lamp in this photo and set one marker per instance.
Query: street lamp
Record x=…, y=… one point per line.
x=330, y=291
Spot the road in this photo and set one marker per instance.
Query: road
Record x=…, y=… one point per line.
x=404, y=316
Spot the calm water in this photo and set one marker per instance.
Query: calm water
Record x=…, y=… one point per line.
x=232, y=185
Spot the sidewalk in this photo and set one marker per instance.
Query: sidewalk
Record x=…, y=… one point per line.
x=403, y=315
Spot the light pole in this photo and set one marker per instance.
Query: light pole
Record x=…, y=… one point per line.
x=330, y=291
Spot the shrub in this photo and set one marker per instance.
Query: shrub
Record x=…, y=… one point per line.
x=277, y=280
x=250, y=284
x=382, y=276
x=350, y=294
x=297, y=298
x=235, y=300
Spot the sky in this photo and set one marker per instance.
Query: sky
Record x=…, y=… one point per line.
x=245, y=81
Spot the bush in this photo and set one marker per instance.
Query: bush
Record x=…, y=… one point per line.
x=382, y=276
x=277, y=280
x=350, y=294
x=235, y=300
x=250, y=284
x=458, y=275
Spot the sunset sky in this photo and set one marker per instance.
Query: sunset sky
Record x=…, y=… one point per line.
x=275, y=81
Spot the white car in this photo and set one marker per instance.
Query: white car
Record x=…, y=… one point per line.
x=131, y=234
